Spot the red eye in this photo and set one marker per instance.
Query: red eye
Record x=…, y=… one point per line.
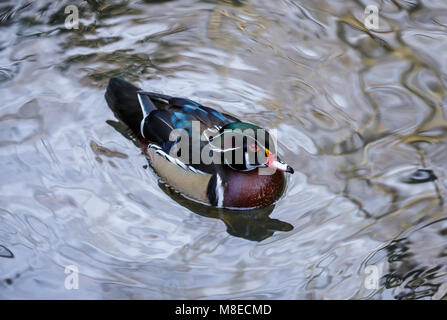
x=253, y=147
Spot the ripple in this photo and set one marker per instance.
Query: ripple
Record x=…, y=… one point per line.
x=5, y=252
x=360, y=114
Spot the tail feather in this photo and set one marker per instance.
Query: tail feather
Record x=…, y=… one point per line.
x=121, y=96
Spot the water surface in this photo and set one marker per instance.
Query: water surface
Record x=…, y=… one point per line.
x=360, y=114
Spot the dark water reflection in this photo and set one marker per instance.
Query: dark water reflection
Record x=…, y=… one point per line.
x=253, y=225
x=361, y=116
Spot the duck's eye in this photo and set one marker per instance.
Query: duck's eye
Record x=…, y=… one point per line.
x=253, y=147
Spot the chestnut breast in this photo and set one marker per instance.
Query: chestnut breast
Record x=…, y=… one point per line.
x=250, y=189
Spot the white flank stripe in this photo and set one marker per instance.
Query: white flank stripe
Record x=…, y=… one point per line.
x=141, y=128
x=219, y=192
x=173, y=160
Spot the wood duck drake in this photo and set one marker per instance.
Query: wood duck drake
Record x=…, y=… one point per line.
x=233, y=178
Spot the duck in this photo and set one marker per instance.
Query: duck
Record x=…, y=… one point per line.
x=204, y=154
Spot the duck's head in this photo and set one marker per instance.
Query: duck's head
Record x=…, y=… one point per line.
x=245, y=147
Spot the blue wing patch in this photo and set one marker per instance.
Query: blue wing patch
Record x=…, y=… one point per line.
x=182, y=121
x=219, y=115
x=188, y=108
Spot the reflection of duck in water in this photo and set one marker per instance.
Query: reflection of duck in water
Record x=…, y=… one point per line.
x=231, y=173
x=254, y=224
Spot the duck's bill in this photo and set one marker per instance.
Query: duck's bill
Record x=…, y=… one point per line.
x=274, y=162
x=284, y=167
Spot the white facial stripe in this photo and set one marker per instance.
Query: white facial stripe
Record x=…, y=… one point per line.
x=223, y=150
x=216, y=149
x=250, y=137
x=247, y=162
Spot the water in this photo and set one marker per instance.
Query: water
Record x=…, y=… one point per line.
x=361, y=116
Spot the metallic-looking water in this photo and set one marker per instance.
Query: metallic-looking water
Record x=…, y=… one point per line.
x=361, y=116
